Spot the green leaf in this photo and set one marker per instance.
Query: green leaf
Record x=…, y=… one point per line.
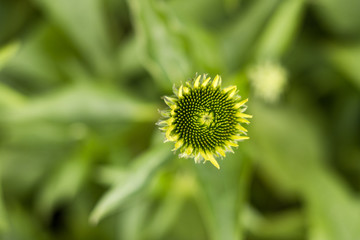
x=132, y=221
x=340, y=17
x=43, y=58
x=346, y=59
x=7, y=52
x=291, y=152
x=161, y=44
x=84, y=103
x=164, y=218
x=332, y=210
x=237, y=39
x=3, y=212
x=222, y=194
x=24, y=224
x=66, y=180
x=10, y=98
x=281, y=29
x=138, y=178
x=287, y=224
x=84, y=22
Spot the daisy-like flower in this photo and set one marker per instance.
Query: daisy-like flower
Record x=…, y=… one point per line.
x=204, y=120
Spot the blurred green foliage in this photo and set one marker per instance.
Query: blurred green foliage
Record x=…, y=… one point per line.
x=80, y=85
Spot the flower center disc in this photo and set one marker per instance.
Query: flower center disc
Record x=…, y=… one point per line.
x=205, y=118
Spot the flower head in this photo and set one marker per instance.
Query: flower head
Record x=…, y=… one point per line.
x=268, y=79
x=204, y=120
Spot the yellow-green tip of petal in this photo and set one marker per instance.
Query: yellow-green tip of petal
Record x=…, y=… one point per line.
x=216, y=82
x=197, y=82
x=210, y=157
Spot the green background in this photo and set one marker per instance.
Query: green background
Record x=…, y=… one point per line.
x=80, y=87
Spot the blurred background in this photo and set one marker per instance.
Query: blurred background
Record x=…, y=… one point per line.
x=80, y=87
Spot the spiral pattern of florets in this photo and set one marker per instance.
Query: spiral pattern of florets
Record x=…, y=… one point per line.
x=204, y=120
